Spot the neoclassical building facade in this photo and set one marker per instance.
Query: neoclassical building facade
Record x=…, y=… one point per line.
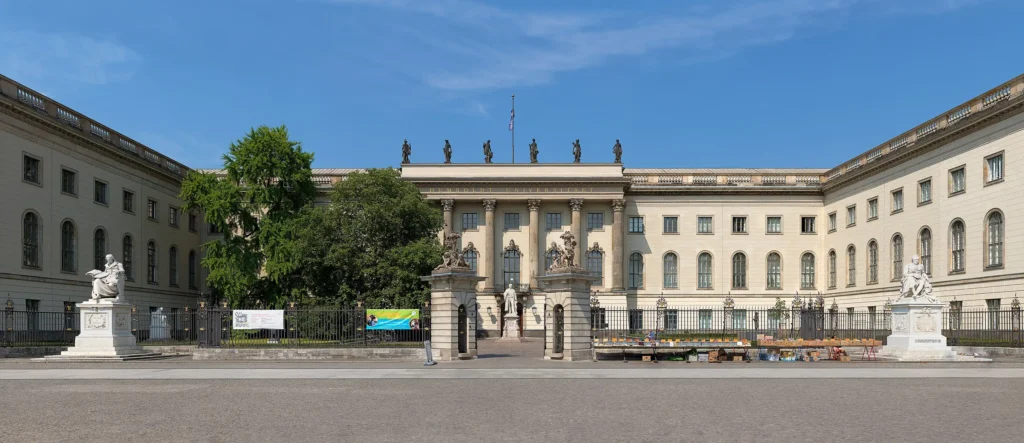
x=947, y=190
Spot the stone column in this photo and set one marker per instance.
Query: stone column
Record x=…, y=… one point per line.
x=576, y=205
x=535, y=248
x=492, y=250
x=449, y=207
x=618, y=284
x=450, y=290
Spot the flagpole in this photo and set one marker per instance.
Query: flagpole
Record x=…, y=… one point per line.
x=513, y=123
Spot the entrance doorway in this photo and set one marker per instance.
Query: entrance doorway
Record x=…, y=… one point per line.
x=559, y=329
x=463, y=331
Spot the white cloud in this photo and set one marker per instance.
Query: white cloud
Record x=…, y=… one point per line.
x=44, y=58
x=481, y=47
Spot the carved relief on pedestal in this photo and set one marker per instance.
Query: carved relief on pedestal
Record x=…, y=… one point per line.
x=924, y=321
x=95, y=321
x=899, y=322
x=121, y=320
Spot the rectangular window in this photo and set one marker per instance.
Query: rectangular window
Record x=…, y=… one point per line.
x=68, y=182
x=704, y=225
x=993, y=313
x=511, y=221
x=32, y=316
x=774, y=225
x=739, y=225
x=172, y=216
x=832, y=222
x=957, y=180
x=636, y=225
x=554, y=221
x=193, y=221
x=100, y=193
x=31, y=172
x=994, y=168
x=128, y=201
x=671, y=225
x=151, y=209
x=739, y=319
x=636, y=319
x=595, y=221
x=924, y=192
x=872, y=209
x=807, y=225
x=897, y=200
x=470, y=221
x=704, y=318
x=214, y=229
x=671, y=319
x=851, y=215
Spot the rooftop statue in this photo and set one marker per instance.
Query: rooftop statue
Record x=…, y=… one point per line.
x=487, y=152
x=447, y=152
x=406, y=151
x=577, y=151
x=533, y=151
x=617, y=150
x=108, y=283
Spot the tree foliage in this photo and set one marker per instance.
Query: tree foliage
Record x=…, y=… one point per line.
x=372, y=243
x=267, y=184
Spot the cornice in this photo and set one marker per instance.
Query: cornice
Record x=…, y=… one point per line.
x=723, y=190
x=975, y=122
x=34, y=118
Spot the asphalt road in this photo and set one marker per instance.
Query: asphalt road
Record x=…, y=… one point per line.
x=496, y=410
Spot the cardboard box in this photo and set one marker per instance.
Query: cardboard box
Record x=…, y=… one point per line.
x=645, y=358
x=737, y=358
x=712, y=356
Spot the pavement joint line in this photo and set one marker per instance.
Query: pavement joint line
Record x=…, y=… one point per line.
x=510, y=374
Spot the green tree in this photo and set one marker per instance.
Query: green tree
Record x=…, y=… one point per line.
x=256, y=203
x=373, y=242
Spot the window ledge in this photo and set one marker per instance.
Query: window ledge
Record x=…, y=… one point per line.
x=772, y=233
x=772, y=289
x=956, y=272
x=808, y=233
x=670, y=233
x=870, y=283
x=705, y=233
x=595, y=230
x=512, y=230
x=993, y=267
x=739, y=289
x=807, y=288
x=105, y=205
x=995, y=182
x=896, y=212
x=954, y=194
x=32, y=183
x=919, y=204
x=68, y=272
x=34, y=268
x=853, y=285
x=152, y=219
x=740, y=233
x=69, y=194
x=850, y=225
x=831, y=231
x=873, y=218
x=635, y=233
x=172, y=286
x=705, y=289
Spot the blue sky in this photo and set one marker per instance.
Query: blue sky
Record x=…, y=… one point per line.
x=757, y=83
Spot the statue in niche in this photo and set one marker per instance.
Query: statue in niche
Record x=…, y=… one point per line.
x=447, y=152
x=617, y=150
x=488, y=154
x=577, y=151
x=406, y=151
x=108, y=283
x=533, y=151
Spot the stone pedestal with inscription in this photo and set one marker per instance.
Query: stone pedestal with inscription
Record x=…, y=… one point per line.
x=917, y=333
x=106, y=334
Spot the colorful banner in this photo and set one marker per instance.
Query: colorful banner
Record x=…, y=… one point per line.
x=258, y=319
x=401, y=319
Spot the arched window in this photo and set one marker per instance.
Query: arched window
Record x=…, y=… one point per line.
x=739, y=271
x=994, y=236
x=151, y=262
x=192, y=270
x=127, y=253
x=99, y=248
x=851, y=258
x=636, y=270
x=774, y=271
x=172, y=266
x=671, y=270
x=30, y=240
x=957, y=246
x=924, y=249
x=872, y=262
x=595, y=264
x=897, y=257
x=512, y=261
x=550, y=258
x=832, y=269
x=704, y=271
x=807, y=271
x=68, y=248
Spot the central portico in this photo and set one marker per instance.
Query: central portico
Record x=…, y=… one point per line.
x=510, y=214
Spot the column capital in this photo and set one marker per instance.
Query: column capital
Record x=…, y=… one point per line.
x=533, y=204
x=489, y=204
x=575, y=204
x=448, y=204
x=618, y=205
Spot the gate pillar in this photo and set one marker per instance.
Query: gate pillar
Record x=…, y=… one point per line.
x=452, y=313
x=567, y=329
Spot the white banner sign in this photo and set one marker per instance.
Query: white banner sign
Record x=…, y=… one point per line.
x=258, y=319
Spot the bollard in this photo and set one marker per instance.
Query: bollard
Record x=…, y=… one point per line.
x=430, y=355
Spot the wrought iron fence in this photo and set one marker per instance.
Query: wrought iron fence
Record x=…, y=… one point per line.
x=310, y=328
x=35, y=328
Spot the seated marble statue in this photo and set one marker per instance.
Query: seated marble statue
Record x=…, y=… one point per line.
x=915, y=282
x=108, y=283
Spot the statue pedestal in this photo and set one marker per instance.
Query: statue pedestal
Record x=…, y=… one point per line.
x=453, y=313
x=511, y=332
x=917, y=333
x=568, y=333
x=106, y=334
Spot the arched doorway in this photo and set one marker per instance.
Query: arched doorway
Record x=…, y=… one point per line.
x=558, y=329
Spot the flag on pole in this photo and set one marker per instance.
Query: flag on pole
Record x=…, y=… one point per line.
x=512, y=120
